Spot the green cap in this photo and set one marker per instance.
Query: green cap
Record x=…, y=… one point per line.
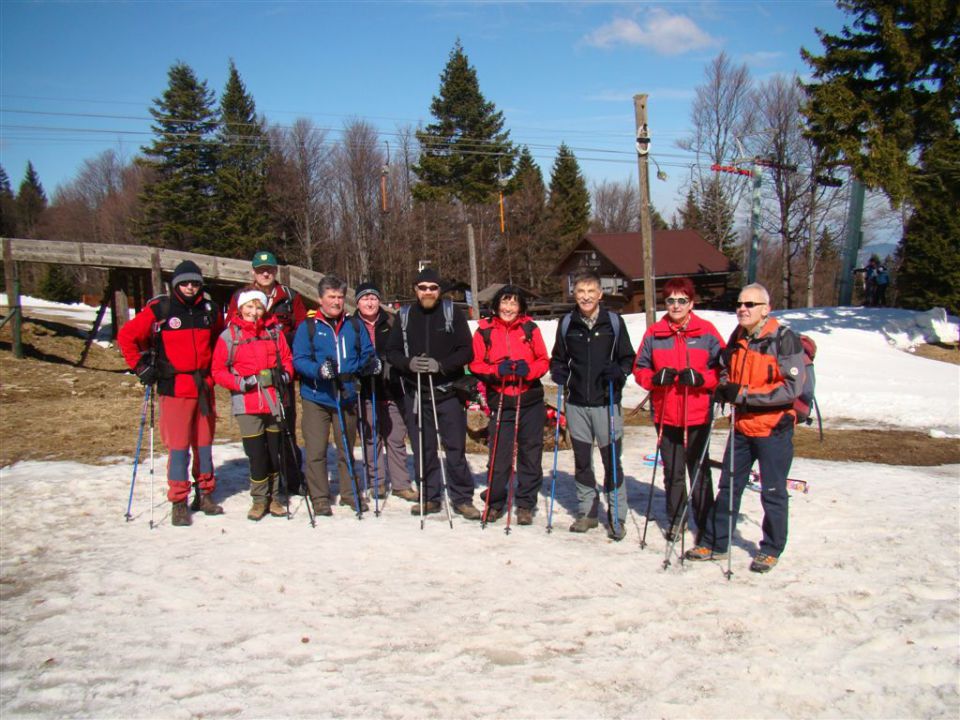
x=264, y=258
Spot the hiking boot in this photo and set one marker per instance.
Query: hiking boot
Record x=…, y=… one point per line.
x=180, y=514
x=524, y=516
x=617, y=534
x=350, y=503
x=584, y=523
x=207, y=506
x=493, y=515
x=429, y=508
x=409, y=493
x=321, y=507
x=763, y=563
x=699, y=553
x=257, y=510
x=277, y=508
x=468, y=510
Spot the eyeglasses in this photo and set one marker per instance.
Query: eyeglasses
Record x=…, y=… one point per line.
x=681, y=301
x=191, y=283
x=428, y=288
x=749, y=305
x=265, y=271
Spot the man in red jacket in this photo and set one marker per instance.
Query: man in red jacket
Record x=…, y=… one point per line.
x=679, y=361
x=170, y=343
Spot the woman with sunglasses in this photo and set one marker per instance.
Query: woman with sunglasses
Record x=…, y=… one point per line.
x=679, y=362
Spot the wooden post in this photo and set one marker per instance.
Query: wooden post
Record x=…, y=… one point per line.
x=12, y=280
x=646, y=221
x=474, y=302
x=156, y=275
x=120, y=305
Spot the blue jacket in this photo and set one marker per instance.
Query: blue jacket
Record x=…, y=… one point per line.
x=339, y=343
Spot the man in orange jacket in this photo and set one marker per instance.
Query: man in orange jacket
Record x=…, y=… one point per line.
x=762, y=376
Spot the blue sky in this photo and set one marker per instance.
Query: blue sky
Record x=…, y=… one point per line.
x=77, y=78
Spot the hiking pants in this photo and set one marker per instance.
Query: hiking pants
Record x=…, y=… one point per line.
x=182, y=428
x=585, y=425
x=391, y=450
x=452, y=419
x=315, y=425
x=529, y=470
x=775, y=455
x=680, y=463
x=261, y=443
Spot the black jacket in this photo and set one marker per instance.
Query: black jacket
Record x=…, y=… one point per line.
x=388, y=382
x=586, y=352
x=427, y=335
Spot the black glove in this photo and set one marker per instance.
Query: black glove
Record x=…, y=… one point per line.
x=560, y=375
x=665, y=376
x=727, y=393
x=690, y=377
x=612, y=372
x=506, y=368
x=373, y=367
x=328, y=371
x=248, y=383
x=520, y=368
x=424, y=364
x=146, y=370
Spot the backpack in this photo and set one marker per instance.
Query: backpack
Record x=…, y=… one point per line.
x=447, y=305
x=883, y=277
x=806, y=402
x=230, y=338
x=614, y=322
x=485, y=333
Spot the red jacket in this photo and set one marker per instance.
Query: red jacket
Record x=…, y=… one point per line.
x=510, y=342
x=255, y=348
x=183, y=332
x=696, y=345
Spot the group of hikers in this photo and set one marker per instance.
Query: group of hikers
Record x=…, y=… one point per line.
x=394, y=377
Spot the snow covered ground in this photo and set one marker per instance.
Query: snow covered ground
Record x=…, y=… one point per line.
x=376, y=618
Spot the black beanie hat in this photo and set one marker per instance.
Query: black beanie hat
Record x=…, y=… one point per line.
x=428, y=275
x=186, y=271
x=367, y=288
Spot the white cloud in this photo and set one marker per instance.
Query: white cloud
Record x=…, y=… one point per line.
x=760, y=58
x=661, y=31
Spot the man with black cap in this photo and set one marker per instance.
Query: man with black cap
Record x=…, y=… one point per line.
x=287, y=307
x=431, y=339
x=170, y=343
x=387, y=436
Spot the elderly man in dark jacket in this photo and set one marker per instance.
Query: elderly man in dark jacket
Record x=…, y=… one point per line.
x=431, y=339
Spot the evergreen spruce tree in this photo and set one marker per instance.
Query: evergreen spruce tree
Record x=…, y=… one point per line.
x=241, y=173
x=179, y=209
x=464, y=153
x=534, y=250
x=58, y=286
x=690, y=216
x=31, y=202
x=569, y=204
x=716, y=217
x=8, y=207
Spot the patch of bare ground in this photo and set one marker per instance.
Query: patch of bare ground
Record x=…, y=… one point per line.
x=50, y=409
x=944, y=352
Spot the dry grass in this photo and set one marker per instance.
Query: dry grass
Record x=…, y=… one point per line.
x=943, y=352
x=52, y=410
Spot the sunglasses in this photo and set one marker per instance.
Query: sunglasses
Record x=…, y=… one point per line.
x=678, y=301
x=428, y=288
x=749, y=305
x=265, y=271
x=191, y=283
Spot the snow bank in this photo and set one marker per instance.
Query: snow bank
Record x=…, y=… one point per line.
x=933, y=326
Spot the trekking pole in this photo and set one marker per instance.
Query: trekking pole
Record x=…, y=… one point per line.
x=512, y=478
x=615, y=524
x=441, y=453
x=698, y=471
x=153, y=397
x=733, y=430
x=363, y=445
x=376, y=449
x=653, y=475
x=556, y=452
x=348, y=456
x=493, y=460
x=283, y=464
x=136, y=455
x=420, y=479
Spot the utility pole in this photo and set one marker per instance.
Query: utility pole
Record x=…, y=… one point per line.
x=646, y=222
x=851, y=245
x=474, y=303
x=754, y=224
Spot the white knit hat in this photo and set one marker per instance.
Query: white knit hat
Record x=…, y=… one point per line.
x=248, y=295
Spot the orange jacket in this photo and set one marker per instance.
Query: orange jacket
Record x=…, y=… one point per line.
x=770, y=368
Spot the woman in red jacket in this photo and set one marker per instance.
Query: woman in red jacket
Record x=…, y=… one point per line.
x=247, y=356
x=679, y=361
x=510, y=357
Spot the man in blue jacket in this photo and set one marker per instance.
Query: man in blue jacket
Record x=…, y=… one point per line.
x=330, y=351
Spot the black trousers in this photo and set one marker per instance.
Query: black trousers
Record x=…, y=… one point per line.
x=529, y=471
x=678, y=462
x=452, y=421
